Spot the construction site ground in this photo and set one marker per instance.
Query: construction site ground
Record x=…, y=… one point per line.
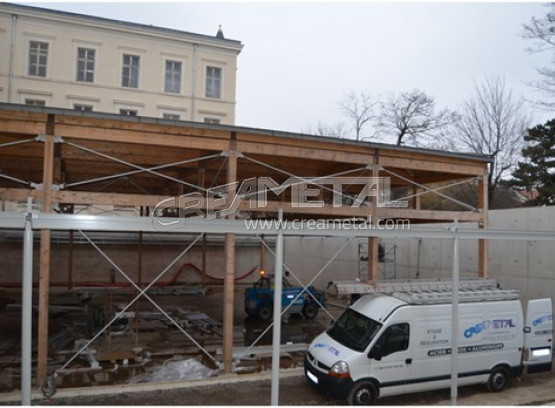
x=537, y=389
x=251, y=387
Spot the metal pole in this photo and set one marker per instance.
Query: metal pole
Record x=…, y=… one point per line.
x=27, y=307
x=276, y=338
x=455, y=318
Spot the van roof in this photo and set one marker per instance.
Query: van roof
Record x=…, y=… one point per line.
x=377, y=306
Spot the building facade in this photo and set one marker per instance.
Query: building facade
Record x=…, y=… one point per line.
x=66, y=60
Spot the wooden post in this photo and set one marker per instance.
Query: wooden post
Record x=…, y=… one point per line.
x=203, y=275
x=140, y=255
x=262, y=255
x=70, y=261
x=417, y=202
x=373, y=242
x=45, y=239
x=200, y=183
x=373, y=267
x=229, y=278
x=483, y=204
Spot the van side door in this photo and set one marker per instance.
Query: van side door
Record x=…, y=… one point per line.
x=538, y=336
x=391, y=358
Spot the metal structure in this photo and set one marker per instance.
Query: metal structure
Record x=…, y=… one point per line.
x=38, y=221
x=413, y=286
x=65, y=160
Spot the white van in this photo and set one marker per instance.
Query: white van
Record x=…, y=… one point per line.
x=389, y=344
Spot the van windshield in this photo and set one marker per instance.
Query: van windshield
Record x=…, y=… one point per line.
x=354, y=330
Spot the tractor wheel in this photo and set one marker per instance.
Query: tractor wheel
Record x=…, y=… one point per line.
x=264, y=312
x=310, y=310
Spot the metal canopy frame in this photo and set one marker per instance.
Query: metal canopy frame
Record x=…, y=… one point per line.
x=30, y=221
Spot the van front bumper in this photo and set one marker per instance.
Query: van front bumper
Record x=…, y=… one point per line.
x=332, y=386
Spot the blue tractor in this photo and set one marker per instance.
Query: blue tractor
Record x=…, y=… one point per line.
x=259, y=299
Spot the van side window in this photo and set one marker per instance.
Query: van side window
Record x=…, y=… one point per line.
x=395, y=338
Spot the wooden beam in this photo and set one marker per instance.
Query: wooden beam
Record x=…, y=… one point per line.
x=302, y=153
x=229, y=277
x=363, y=212
x=82, y=197
x=19, y=194
x=194, y=140
x=433, y=165
x=14, y=126
x=44, y=272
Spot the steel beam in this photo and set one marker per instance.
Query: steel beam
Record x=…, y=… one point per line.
x=66, y=222
x=276, y=334
x=27, y=310
x=455, y=320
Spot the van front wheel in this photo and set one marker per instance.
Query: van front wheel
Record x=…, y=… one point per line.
x=498, y=379
x=362, y=393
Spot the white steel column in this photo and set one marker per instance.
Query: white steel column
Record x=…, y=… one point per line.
x=27, y=309
x=455, y=318
x=276, y=335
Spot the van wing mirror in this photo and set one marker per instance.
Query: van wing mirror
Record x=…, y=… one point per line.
x=376, y=353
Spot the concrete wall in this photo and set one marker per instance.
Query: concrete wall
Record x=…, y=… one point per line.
x=90, y=266
x=307, y=256
x=304, y=257
x=528, y=266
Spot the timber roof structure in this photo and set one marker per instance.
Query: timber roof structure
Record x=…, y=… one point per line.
x=106, y=159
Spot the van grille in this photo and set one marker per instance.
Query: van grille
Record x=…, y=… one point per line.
x=317, y=363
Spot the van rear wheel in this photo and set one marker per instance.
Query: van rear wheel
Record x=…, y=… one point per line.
x=498, y=379
x=362, y=393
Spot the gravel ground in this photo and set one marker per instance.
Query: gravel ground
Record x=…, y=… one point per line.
x=538, y=389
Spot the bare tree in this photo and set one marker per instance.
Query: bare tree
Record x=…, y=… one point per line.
x=338, y=129
x=542, y=32
x=411, y=117
x=493, y=123
x=359, y=109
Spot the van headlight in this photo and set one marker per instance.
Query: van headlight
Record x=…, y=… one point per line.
x=340, y=370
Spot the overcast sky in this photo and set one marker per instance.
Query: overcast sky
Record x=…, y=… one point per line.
x=300, y=59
